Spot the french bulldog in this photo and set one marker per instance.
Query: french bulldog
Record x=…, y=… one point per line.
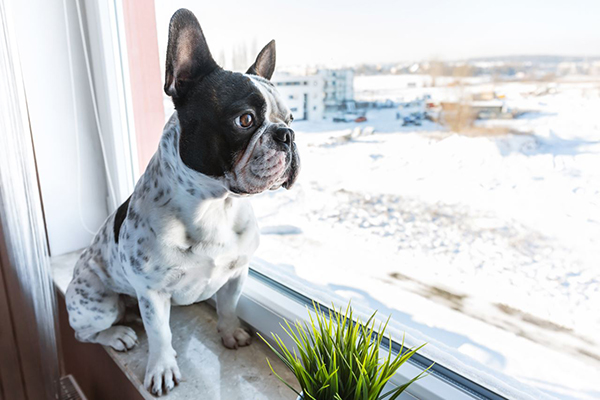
x=188, y=230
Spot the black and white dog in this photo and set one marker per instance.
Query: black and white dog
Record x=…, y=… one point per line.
x=187, y=232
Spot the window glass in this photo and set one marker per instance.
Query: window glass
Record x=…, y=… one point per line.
x=450, y=174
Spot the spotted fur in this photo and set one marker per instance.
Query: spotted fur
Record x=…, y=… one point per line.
x=182, y=237
x=188, y=231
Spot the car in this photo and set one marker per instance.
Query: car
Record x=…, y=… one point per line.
x=345, y=117
x=410, y=120
x=349, y=117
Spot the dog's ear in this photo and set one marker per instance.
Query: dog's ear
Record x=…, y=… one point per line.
x=265, y=62
x=188, y=56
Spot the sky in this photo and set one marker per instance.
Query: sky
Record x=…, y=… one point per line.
x=333, y=32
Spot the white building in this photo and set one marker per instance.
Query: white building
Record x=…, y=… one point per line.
x=339, y=88
x=310, y=97
x=304, y=95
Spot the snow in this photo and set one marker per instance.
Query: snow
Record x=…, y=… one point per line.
x=486, y=246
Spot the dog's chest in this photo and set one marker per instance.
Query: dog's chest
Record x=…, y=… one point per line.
x=207, y=254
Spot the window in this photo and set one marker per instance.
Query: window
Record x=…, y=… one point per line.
x=471, y=225
x=457, y=193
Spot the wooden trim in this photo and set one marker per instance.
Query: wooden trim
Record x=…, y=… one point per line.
x=12, y=385
x=145, y=76
x=97, y=374
x=25, y=331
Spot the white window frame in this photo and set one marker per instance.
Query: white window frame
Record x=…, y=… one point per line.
x=266, y=303
x=108, y=48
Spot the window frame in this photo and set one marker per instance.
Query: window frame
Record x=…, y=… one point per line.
x=266, y=303
x=110, y=70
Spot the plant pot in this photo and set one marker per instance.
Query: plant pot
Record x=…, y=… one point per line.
x=300, y=397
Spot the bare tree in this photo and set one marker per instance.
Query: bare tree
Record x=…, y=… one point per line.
x=436, y=69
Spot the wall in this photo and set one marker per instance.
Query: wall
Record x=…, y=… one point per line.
x=72, y=194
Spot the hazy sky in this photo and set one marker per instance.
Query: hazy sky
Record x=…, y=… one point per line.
x=348, y=32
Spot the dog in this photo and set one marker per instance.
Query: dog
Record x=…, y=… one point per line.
x=188, y=230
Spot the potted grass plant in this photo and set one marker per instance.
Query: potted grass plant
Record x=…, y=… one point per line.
x=338, y=358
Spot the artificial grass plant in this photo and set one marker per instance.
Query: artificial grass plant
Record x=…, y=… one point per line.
x=338, y=357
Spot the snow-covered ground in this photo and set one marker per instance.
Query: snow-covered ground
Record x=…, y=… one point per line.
x=487, y=246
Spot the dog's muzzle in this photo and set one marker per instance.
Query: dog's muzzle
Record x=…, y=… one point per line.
x=294, y=167
x=269, y=162
x=284, y=137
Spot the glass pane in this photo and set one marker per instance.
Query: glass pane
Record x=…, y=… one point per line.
x=449, y=177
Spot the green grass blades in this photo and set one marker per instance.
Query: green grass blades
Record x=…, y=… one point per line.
x=337, y=357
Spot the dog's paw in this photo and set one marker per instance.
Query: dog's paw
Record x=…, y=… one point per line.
x=238, y=337
x=120, y=338
x=162, y=374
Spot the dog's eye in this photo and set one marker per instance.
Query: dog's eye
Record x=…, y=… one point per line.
x=245, y=120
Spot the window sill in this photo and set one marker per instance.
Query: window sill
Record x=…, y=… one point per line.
x=207, y=367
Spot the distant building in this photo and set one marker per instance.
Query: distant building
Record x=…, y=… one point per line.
x=304, y=95
x=312, y=97
x=339, y=89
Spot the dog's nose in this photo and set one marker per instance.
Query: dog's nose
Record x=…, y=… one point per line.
x=284, y=135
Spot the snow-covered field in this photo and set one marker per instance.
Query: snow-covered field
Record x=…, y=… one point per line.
x=485, y=246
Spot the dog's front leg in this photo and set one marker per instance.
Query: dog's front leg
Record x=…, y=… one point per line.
x=229, y=326
x=162, y=372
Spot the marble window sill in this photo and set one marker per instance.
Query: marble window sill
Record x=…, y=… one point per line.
x=210, y=371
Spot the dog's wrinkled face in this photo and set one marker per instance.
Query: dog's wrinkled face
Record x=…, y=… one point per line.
x=233, y=126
